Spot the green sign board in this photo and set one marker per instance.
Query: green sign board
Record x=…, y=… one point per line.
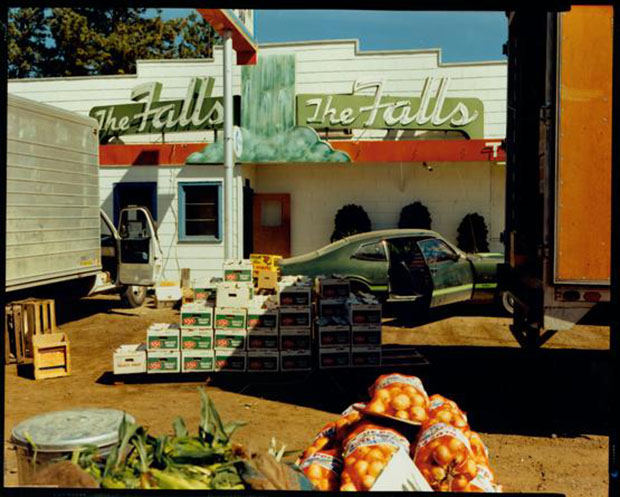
x=429, y=111
x=197, y=111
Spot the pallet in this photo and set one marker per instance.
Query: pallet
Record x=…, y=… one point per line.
x=51, y=356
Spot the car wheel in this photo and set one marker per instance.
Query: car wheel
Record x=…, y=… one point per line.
x=508, y=302
x=133, y=296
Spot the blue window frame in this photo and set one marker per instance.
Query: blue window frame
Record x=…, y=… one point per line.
x=200, y=211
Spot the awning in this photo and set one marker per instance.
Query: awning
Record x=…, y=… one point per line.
x=243, y=42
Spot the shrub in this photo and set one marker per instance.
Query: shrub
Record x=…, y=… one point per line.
x=350, y=219
x=473, y=234
x=415, y=215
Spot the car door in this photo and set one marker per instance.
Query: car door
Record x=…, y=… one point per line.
x=408, y=274
x=453, y=279
x=140, y=258
x=369, y=264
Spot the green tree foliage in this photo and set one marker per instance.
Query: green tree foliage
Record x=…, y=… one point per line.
x=94, y=41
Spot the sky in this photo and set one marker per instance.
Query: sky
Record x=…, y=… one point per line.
x=461, y=36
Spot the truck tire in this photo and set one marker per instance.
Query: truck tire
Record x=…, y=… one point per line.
x=133, y=296
x=508, y=302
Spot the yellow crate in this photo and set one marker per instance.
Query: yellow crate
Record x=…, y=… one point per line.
x=51, y=355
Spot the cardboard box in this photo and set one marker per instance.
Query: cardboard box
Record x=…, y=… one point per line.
x=329, y=308
x=238, y=270
x=230, y=318
x=204, y=294
x=230, y=339
x=294, y=295
x=294, y=339
x=296, y=317
x=196, y=315
x=269, y=260
x=364, y=314
x=333, y=288
x=267, y=279
x=263, y=340
x=334, y=357
x=163, y=337
x=197, y=339
x=366, y=335
x=333, y=335
x=231, y=360
x=234, y=294
x=366, y=356
x=263, y=319
x=401, y=475
x=130, y=359
x=263, y=362
x=197, y=361
x=163, y=361
x=295, y=360
x=167, y=296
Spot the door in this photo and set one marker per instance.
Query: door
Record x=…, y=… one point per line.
x=135, y=194
x=272, y=223
x=451, y=272
x=409, y=275
x=248, y=220
x=140, y=261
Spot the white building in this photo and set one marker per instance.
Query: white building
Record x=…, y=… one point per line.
x=290, y=206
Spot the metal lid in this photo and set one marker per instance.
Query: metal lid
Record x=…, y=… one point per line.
x=67, y=430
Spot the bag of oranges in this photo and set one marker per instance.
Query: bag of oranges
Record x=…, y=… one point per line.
x=481, y=453
x=334, y=432
x=444, y=457
x=367, y=451
x=399, y=396
x=483, y=482
x=323, y=469
x=446, y=411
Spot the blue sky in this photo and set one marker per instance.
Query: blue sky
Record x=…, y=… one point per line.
x=462, y=36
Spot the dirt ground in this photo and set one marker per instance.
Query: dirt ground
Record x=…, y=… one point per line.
x=543, y=415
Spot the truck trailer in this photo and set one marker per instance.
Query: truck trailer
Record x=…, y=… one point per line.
x=57, y=238
x=558, y=146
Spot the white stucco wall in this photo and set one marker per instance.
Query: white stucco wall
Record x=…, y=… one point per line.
x=450, y=191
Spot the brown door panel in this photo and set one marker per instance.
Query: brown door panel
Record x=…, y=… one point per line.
x=272, y=223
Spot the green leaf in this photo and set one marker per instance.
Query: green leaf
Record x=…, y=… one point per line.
x=180, y=430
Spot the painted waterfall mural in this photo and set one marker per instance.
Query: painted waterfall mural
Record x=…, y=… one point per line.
x=268, y=128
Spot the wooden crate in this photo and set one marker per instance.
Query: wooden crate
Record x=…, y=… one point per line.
x=51, y=356
x=15, y=343
x=38, y=317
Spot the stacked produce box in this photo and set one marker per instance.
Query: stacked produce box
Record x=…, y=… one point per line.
x=400, y=439
x=348, y=327
x=295, y=301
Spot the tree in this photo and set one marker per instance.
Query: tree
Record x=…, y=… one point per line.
x=415, y=216
x=350, y=219
x=27, y=34
x=473, y=233
x=92, y=41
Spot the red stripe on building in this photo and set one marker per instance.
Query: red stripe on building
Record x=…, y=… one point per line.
x=244, y=45
x=359, y=151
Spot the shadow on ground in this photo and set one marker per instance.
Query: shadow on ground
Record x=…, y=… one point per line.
x=503, y=390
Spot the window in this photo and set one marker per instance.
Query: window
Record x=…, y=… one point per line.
x=370, y=252
x=200, y=212
x=436, y=251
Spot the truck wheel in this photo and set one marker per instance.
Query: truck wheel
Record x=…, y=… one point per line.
x=508, y=302
x=133, y=296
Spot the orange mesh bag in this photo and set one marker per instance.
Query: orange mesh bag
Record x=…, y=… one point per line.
x=367, y=451
x=481, y=453
x=444, y=410
x=400, y=396
x=483, y=482
x=323, y=470
x=333, y=432
x=444, y=457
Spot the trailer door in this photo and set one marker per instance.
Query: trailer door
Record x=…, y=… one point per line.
x=140, y=261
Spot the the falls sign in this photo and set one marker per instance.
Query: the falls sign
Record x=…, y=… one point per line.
x=432, y=110
x=148, y=114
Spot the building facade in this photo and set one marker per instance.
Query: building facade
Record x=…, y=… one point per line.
x=392, y=127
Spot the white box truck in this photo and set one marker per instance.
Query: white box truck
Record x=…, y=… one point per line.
x=57, y=238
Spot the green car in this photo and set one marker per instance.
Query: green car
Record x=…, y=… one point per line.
x=404, y=265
